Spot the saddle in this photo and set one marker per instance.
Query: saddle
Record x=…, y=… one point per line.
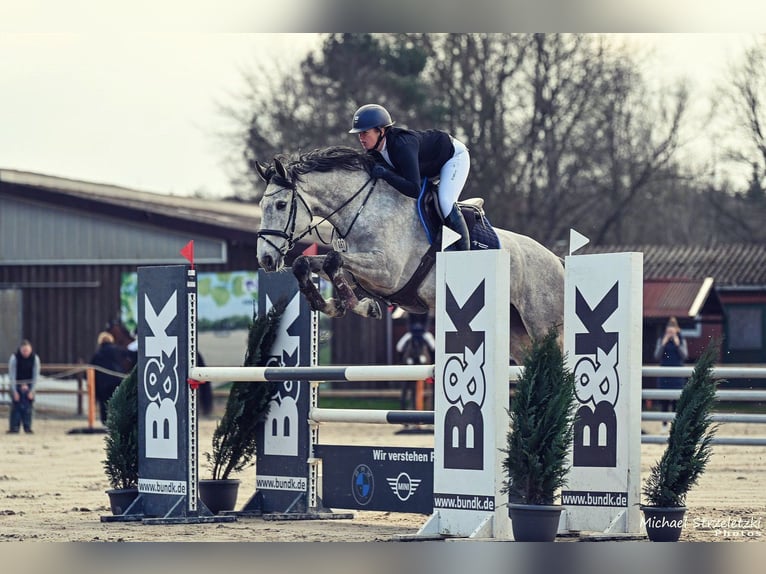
x=480, y=231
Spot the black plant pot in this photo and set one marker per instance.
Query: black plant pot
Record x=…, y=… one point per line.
x=663, y=524
x=219, y=494
x=121, y=498
x=534, y=522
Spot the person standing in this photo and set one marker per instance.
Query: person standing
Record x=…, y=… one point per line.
x=23, y=372
x=110, y=357
x=416, y=347
x=671, y=351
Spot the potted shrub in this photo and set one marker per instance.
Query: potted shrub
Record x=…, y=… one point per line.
x=542, y=430
x=234, y=438
x=121, y=463
x=687, y=453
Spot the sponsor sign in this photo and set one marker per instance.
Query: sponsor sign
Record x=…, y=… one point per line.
x=470, y=392
x=284, y=437
x=603, y=338
x=394, y=479
x=163, y=436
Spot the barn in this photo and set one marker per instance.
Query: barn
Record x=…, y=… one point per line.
x=65, y=244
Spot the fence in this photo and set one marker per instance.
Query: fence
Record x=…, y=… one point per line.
x=76, y=383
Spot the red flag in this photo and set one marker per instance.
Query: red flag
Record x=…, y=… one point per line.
x=312, y=249
x=188, y=252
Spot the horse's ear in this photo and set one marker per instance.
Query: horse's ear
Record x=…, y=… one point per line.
x=281, y=171
x=264, y=171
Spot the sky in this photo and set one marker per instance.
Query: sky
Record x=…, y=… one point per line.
x=142, y=110
x=135, y=110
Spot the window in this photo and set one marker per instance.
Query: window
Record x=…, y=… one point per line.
x=745, y=328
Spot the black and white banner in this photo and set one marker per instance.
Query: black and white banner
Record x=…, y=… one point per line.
x=603, y=339
x=471, y=391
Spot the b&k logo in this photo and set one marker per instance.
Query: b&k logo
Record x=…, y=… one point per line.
x=598, y=382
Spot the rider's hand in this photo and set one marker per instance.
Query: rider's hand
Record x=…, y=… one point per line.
x=378, y=171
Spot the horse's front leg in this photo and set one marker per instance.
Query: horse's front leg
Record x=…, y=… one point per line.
x=303, y=267
x=333, y=268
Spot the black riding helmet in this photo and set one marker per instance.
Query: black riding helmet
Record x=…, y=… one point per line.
x=370, y=116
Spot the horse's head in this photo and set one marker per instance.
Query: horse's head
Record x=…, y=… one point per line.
x=284, y=214
x=293, y=186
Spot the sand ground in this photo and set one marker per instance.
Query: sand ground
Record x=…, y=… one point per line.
x=52, y=488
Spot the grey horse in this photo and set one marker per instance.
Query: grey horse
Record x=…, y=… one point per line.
x=379, y=242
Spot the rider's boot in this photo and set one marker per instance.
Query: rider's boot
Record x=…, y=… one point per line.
x=456, y=223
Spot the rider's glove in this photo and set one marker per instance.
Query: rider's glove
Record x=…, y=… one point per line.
x=379, y=171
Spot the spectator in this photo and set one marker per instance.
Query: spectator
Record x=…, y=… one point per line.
x=110, y=357
x=671, y=351
x=415, y=347
x=23, y=372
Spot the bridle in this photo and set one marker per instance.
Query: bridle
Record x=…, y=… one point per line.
x=288, y=233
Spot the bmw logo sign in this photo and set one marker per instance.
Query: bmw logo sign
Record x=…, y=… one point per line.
x=362, y=484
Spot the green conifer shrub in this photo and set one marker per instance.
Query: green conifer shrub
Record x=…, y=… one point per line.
x=689, y=440
x=121, y=463
x=542, y=424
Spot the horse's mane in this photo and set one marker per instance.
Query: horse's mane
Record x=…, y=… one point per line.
x=323, y=159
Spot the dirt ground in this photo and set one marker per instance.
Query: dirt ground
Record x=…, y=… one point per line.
x=52, y=488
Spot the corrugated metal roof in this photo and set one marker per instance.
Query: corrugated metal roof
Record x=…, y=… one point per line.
x=677, y=297
x=229, y=214
x=730, y=265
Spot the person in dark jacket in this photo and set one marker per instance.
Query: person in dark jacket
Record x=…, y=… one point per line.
x=405, y=157
x=671, y=350
x=23, y=372
x=108, y=356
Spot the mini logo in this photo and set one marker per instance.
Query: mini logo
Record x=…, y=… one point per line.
x=403, y=486
x=362, y=484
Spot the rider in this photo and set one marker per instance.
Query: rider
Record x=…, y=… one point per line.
x=405, y=156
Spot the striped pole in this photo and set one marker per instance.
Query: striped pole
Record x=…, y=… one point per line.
x=329, y=373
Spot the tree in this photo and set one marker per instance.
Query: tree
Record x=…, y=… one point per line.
x=312, y=107
x=562, y=130
x=747, y=98
x=740, y=205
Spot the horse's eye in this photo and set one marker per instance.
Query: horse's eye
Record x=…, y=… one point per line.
x=281, y=204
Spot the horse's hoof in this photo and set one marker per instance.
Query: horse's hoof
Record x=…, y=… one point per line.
x=370, y=308
x=339, y=308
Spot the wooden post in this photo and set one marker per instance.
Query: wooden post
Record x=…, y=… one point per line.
x=91, y=397
x=419, y=395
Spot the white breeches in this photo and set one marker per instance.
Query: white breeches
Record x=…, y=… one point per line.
x=452, y=177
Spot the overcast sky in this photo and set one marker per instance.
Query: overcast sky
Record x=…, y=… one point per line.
x=134, y=110
x=141, y=110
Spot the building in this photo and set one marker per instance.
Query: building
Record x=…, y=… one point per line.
x=65, y=244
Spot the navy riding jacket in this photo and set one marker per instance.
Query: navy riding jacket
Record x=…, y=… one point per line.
x=414, y=155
